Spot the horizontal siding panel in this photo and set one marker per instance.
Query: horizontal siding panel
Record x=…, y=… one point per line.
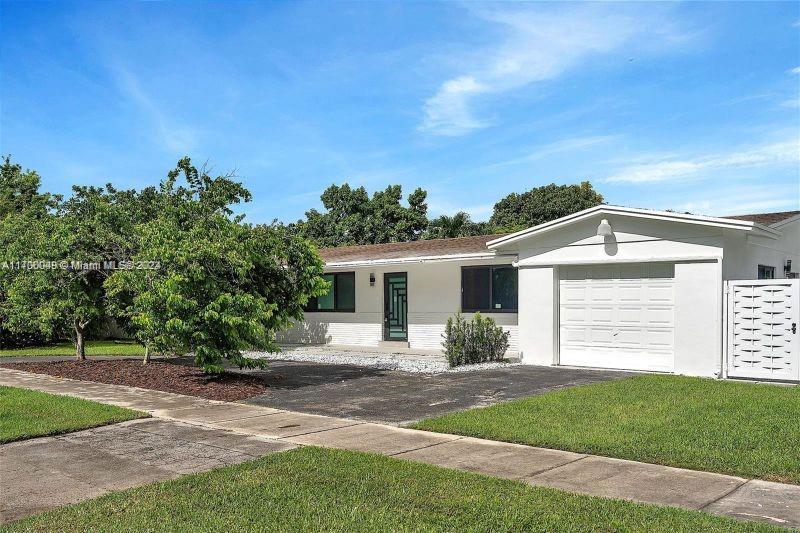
x=361, y=331
x=429, y=337
x=315, y=331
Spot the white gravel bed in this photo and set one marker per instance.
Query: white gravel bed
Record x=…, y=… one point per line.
x=424, y=364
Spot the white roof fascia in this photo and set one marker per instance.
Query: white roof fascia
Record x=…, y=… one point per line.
x=536, y=263
x=421, y=259
x=743, y=225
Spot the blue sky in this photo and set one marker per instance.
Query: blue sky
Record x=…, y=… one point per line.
x=689, y=106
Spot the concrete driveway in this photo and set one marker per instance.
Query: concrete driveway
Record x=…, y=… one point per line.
x=395, y=397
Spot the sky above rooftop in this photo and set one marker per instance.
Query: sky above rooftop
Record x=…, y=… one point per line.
x=689, y=106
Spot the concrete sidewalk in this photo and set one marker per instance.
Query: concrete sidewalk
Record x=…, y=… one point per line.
x=44, y=473
x=598, y=476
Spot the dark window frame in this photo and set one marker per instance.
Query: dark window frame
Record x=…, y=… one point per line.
x=491, y=269
x=336, y=306
x=765, y=269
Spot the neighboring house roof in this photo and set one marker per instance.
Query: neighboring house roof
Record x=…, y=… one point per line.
x=433, y=248
x=767, y=219
x=728, y=223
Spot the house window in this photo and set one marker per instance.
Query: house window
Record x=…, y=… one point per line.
x=341, y=296
x=766, y=272
x=489, y=289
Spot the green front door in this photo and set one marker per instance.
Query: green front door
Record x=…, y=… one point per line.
x=395, y=306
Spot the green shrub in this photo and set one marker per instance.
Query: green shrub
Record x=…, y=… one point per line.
x=477, y=341
x=10, y=340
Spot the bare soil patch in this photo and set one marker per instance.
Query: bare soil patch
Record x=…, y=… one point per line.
x=158, y=375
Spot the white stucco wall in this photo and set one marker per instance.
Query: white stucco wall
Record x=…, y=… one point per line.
x=698, y=318
x=743, y=253
x=634, y=240
x=434, y=295
x=696, y=252
x=538, y=315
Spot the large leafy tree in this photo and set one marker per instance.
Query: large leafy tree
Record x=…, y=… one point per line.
x=19, y=189
x=458, y=225
x=210, y=284
x=75, y=238
x=542, y=204
x=351, y=216
x=19, y=197
x=80, y=235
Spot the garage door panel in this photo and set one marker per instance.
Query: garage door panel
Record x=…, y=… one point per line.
x=573, y=314
x=629, y=338
x=631, y=293
x=573, y=294
x=629, y=316
x=576, y=336
x=661, y=293
x=660, y=338
x=618, y=316
x=599, y=336
x=618, y=358
x=600, y=293
x=658, y=316
x=601, y=315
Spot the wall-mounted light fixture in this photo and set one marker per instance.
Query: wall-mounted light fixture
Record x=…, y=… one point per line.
x=371, y=279
x=787, y=267
x=604, y=229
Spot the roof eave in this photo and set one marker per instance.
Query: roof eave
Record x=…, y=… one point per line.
x=412, y=259
x=727, y=223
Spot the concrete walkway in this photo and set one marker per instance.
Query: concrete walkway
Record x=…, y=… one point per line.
x=599, y=476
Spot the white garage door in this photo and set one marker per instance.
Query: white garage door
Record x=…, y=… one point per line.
x=618, y=316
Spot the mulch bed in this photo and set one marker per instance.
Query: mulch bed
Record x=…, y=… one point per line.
x=157, y=375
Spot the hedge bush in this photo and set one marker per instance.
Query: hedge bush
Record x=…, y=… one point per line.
x=10, y=340
x=477, y=341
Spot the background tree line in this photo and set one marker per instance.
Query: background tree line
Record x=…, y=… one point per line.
x=352, y=217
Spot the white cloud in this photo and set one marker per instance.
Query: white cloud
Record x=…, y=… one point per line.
x=677, y=169
x=791, y=103
x=795, y=70
x=447, y=112
x=569, y=146
x=175, y=138
x=541, y=43
x=748, y=98
x=574, y=144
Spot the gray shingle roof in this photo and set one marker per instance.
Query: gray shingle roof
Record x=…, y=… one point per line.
x=397, y=250
x=767, y=219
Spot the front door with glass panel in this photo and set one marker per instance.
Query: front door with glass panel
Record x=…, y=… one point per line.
x=395, y=304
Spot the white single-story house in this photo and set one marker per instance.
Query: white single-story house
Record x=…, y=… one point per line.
x=607, y=287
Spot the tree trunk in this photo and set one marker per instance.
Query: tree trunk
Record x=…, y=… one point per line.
x=146, y=354
x=80, y=351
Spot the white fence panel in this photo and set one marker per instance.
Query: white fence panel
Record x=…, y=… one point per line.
x=762, y=321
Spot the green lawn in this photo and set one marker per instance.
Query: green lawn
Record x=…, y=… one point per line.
x=92, y=348
x=26, y=413
x=313, y=489
x=745, y=429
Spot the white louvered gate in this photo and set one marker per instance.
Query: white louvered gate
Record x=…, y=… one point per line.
x=762, y=338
